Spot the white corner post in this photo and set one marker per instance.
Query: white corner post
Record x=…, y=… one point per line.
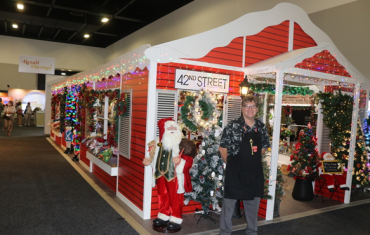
x=150, y=135
x=275, y=143
x=356, y=98
x=320, y=123
x=265, y=108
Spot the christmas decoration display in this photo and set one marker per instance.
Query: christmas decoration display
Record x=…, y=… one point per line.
x=199, y=113
x=170, y=173
x=207, y=173
x=337, y=110
x=287, y=90
x=101, y=147
x=305, y=156
x=288, y=110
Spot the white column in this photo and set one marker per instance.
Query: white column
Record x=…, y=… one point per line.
x=150, y=135
x=320, y=124
x=265, y=108
x=356, y=97
x=291, y=35
x=275, y=143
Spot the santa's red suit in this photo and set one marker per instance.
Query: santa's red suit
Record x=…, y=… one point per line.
x=341, y=178
x=171, y=180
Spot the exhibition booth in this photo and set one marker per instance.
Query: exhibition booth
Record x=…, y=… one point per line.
x=282, y=57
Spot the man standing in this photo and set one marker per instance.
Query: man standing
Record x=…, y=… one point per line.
x=170, y=173
x=244, y=141
x=28, y=114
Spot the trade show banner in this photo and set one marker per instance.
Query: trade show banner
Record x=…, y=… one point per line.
x=35, y=97
x=32, y=64
x=6, y=99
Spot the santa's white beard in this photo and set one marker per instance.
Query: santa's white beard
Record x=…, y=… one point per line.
x=171, y=141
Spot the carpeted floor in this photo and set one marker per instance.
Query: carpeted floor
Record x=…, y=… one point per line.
x=40, y=192
x=349, y=221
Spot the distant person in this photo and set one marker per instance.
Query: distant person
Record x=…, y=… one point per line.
x=19, y=113
x=1, y=108
x=28, y=114
x=9, y=112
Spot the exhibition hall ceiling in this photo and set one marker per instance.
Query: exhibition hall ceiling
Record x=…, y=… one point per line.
x=68, y=21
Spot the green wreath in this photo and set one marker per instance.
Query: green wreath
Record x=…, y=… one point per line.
x=206, y=107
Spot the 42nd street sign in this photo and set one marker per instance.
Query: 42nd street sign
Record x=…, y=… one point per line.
x=193, y=80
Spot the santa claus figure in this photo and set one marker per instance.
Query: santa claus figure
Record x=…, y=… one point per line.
x=170, y=174
x=341, y=178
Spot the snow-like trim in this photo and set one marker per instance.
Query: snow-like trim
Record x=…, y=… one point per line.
x=126, y=63
x=163, y=216
x=175, y=220
x=199, y=45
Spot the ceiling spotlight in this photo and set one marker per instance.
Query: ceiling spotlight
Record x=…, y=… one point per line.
x=15, y=26
x=63, y=73
x=105, y=19
x=86, y=35
x=70, y=70
x=20, y=6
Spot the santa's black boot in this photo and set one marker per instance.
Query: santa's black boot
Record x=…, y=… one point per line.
x=68, y=150
x=173, y=227
x=75, y=158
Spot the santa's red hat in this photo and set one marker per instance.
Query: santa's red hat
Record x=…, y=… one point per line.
x=161, y=128
x=326, y=155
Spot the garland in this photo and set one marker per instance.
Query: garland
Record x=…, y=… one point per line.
x=186, y=114
x=288, y=110
x=287, y=90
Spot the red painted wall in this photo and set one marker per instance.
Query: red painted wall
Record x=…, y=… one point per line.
x=131, y=171
x=110, y=181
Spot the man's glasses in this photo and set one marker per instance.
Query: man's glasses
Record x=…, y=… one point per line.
x=249, y=106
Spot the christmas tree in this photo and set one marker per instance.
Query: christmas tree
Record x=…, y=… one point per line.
x=199, y=113
x=207, y=172
x=360, y=161
x=305, y=157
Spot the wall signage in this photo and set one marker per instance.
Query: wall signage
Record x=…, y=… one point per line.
x=32, y=64
x=194, y=80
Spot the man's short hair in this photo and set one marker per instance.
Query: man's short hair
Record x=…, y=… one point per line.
x=250, y=98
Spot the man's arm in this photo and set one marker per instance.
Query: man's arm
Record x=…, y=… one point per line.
x=223, y=152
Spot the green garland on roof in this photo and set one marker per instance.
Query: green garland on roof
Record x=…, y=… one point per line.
x=287, y=90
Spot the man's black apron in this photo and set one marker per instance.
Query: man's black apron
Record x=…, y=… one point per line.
x=244, y=174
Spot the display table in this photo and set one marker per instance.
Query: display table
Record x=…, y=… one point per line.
x=112, y=171
x=39, y=119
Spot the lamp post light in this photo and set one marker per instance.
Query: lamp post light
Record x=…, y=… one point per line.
x=244, y=87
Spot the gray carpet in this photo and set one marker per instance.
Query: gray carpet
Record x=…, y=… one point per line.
x=40, y=192
x=349, y=221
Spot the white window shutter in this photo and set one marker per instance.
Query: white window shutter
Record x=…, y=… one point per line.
x=167, y=106
x=325, y=142
x=125, y=128
x=232, y=109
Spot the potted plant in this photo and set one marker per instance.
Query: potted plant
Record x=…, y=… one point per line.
x=304, y=162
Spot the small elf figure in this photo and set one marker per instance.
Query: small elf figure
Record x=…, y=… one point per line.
x=68, y=137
